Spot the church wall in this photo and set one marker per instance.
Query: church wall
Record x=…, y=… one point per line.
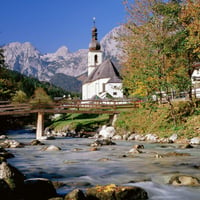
x=85, y=91
x=89, y=90
x=115, y=89
x=99, y=85
x=91, y=58
x=94, y=59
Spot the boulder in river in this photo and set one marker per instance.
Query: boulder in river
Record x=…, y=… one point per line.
x=114, y=192
x=136, y=149
x=51, y=148
x=12, y=176
x=76, y=194
x=5, y=191
x=171, y=154
x=107, y=132
x=11, y=144
x=5, y=154
x=3, y=137
x=39, y=188
x=101, y=142
x=36, y=142
x=184, y=180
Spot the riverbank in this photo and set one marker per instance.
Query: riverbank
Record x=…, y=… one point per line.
x=162, y=120
x=150, y=118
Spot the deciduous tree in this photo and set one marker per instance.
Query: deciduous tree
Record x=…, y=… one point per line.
x=154, y=45
x=40, y=97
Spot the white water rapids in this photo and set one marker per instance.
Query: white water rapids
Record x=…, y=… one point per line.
x=78, y=167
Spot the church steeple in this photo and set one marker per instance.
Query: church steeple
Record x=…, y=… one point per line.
x=95, y=53
x=94, y=44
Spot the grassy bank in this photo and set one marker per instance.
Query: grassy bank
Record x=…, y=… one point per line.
x=184, y=119
x=79, y=122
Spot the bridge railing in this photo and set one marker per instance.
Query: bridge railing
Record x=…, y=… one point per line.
x=68, y=106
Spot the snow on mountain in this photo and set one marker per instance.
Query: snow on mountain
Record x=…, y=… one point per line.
x=26, y=59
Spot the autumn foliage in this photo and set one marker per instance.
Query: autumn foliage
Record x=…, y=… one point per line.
x=160, y=44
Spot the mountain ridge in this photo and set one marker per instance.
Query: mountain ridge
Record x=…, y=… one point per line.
x=26, y=59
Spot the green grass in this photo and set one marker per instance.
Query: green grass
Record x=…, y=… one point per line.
x=157, y=119
x=77, y=122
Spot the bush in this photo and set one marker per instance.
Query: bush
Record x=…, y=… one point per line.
x=19, y=97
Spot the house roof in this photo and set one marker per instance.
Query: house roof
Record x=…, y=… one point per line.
x=105, y=70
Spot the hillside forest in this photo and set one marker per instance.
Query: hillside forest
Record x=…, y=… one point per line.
x=13, y=84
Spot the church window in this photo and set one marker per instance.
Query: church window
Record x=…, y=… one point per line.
x=104, y=87
x=114, y=93
x=95, y=59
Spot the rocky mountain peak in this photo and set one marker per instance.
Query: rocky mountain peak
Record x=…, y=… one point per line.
x=62, y=51
x=15, y=49
x=26, y=59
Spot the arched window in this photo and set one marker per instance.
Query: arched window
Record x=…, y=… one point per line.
x=95, y=59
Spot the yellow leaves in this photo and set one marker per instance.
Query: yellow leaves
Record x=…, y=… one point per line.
x=40, y=96
x=19, y=97
x=156, y=45
x=190, y=16
x=140, y=91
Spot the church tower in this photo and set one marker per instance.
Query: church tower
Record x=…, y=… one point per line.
x=95, y=53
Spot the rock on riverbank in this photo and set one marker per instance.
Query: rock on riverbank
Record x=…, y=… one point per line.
x=109, y=192
x=111, y=133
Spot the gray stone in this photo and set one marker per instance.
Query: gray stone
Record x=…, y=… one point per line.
x=11, y=144
x=12, y=176
x=51, y=148
x=195, y=140
x=173, y=137
x=35, y=142
x=75, y=195
x=184, y=180
x=114, y=192
x=39, y=188
x=5, y=191
x=107, y=132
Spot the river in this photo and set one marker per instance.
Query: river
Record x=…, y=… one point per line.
x=79, y=167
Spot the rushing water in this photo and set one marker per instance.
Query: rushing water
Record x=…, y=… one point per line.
x=77, y=166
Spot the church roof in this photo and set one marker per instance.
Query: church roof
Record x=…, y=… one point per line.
x=105, y=70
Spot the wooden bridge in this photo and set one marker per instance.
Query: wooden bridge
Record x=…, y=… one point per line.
x=110, y=107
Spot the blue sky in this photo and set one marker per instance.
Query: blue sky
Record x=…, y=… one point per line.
x=50, y=24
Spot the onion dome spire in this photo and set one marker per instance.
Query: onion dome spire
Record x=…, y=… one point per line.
x=94, y=44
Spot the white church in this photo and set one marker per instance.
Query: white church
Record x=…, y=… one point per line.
x=103, y=81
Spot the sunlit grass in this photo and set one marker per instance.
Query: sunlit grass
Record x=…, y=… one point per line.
x=157, y=120
x=85, y=122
